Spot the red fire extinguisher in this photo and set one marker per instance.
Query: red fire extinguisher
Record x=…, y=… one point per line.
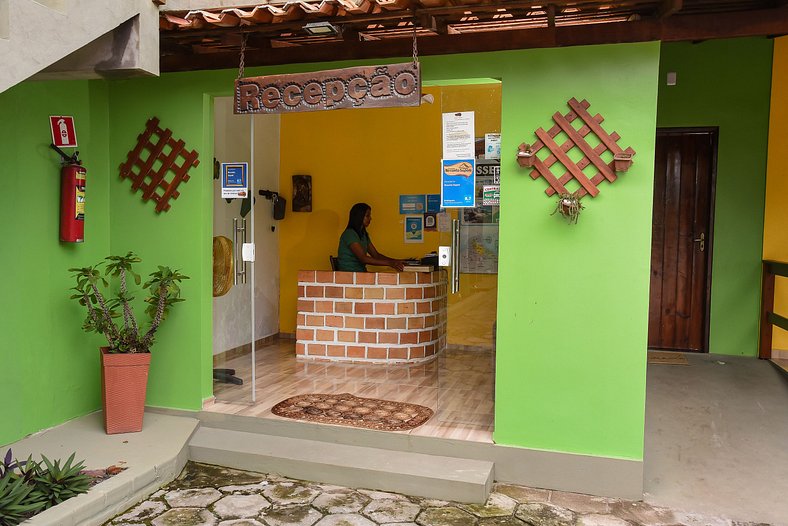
x=72, y=198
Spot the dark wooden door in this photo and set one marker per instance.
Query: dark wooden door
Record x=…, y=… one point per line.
x=681, y=239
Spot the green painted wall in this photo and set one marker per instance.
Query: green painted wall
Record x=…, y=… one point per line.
x=574, y=299
x=50, y=368
x=726, y=83
x=181, y=238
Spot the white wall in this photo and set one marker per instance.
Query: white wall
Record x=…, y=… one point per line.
x=232, y=143
x=266, y=168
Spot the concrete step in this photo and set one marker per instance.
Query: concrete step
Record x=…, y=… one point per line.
x=429, y=476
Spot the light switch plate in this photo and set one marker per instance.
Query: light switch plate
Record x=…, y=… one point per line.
x=444, y=256
x=247, y=251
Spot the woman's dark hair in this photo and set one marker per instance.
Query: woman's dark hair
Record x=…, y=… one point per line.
x=356, y=218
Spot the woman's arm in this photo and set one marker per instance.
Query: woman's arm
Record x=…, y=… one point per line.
x=375, y=257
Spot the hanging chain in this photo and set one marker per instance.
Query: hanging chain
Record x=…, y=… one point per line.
x=415, y=47
x=243, y=53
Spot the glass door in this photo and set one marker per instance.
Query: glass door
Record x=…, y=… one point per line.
x=466, y=374
x=233, y=257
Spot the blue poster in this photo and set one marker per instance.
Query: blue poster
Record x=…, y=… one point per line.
x=458, y=183
x=433, y=203
x=235, y=180
x=412, y=204
x=414, y=229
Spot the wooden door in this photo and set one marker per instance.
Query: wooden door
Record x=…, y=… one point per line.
x=681, y=239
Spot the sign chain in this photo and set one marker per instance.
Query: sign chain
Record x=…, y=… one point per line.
x=243, y=53
x=415, y=48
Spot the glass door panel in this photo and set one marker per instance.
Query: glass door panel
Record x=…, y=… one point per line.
x=233, y=278
x=467, y=367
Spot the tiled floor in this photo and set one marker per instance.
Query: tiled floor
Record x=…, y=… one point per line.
x=457, y=386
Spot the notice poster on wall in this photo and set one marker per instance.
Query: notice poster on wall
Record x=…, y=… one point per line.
x=488, y=194
x=458, y=183
x=492, y=145
x=412, y=204
x=491, y=195
x=235, y=180
x=414, y=229
x=479, y=249
x=459, y=141
x=433, y=203
x=444, y=221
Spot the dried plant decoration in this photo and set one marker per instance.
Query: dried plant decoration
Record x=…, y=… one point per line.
x=569, y=206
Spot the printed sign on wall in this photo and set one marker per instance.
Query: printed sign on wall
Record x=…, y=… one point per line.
x=235, y=180
x=414, y=229
x=491, y=195
x=433, y=203
x=412, y=204
x=458, y=135
x=64, y=135
x=458, y=183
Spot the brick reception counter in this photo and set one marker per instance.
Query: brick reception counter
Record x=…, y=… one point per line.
x=371, y=317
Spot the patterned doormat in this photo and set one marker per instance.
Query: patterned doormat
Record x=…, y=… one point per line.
x=348, y=410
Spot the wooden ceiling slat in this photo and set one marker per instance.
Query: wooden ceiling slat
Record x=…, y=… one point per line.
x=670, y=7
x=454, y=32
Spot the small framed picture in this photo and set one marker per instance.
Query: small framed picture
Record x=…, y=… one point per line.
x=414, y=229
x=431, y=222
x=302, y=193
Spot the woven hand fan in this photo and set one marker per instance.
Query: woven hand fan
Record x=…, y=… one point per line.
x=222, y=265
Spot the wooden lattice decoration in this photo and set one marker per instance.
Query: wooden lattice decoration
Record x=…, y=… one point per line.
x=622, y=158
x=147, y=173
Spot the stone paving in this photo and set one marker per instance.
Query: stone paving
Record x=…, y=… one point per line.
x=207, y=495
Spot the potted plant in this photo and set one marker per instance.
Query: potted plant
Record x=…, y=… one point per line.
x=622, y=161
x=569, y=206
x=525, y=155
x=126, y=358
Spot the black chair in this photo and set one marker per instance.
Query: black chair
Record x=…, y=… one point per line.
x=334, y=262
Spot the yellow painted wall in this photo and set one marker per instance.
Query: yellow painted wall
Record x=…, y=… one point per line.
x=775, y=230
x=371, y=156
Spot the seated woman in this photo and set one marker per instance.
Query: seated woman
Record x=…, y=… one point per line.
x=355, y=248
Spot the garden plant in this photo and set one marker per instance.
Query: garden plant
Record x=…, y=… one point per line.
x=29, y=487
x=113, y=316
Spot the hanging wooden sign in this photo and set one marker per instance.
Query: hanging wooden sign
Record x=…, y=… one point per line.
x=360, y=87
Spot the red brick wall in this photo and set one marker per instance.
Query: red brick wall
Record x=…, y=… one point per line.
x=371, y=317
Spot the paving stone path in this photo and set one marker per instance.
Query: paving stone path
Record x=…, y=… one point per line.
x=207, y=495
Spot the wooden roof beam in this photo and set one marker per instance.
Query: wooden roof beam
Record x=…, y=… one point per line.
x=670, y=7
x=762, y=22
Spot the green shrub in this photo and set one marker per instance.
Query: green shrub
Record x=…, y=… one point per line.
x=56, y=483
x=18, y=500
x=29, y=487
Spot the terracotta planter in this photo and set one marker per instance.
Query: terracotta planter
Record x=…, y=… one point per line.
x=124, y=381
x=622, y=162
x=525, y=156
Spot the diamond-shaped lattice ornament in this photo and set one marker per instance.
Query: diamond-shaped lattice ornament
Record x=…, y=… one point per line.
x=155, y=155
x=576, y=138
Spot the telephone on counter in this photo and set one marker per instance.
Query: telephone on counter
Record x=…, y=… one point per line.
x=430, y=259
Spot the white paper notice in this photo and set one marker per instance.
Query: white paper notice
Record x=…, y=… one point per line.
x=492, y=145
x=458, y=138
x=444, y=222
